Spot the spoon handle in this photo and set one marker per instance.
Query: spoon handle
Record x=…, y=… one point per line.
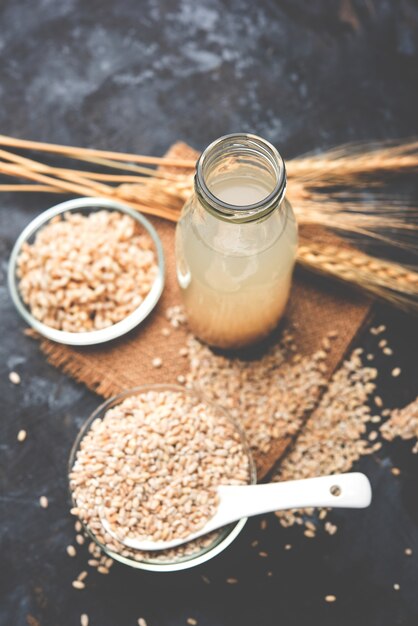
x=350, y=490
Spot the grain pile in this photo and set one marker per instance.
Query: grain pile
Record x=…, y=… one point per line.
x=402, y=423
x=86, y=273
x=333, y=438
x=269, y=396
x=151, y=467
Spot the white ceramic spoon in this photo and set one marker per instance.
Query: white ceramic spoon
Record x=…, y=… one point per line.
x=235, y=502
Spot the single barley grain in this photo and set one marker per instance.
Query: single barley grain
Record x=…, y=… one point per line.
x=263, y=524
x=82, y=575
x=191, y=621
x=14, y=378
x=263, y=555
x=396, y=372
x=330, y=598
x=156, y=362
x=288, y=546
x=408, y=551
x=103, y=570
x=142, y=622
x=80, y=539
x=71, y=551
x=232, y=581
x=388, y=351
x=21, y=435
x=78, y=584
x=396, y=471
x=43, y=501
x=396, y=586
x=84, y=619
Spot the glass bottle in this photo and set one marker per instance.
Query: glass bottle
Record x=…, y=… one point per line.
x=236, y=243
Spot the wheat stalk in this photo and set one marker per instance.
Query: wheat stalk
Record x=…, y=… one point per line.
x=343, y=190
x=386, y=280
x=90, y=153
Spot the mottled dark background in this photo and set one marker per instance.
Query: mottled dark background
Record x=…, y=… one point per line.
x=136, y=76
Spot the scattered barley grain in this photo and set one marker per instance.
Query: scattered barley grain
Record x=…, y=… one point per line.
x=14, y=378
x=21, y=435
x=78, y=584
x=71, y=551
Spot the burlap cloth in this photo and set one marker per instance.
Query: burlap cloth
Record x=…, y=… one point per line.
x=316, y=307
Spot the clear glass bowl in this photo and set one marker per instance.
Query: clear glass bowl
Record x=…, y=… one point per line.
x=86, y=206
x=224, y=536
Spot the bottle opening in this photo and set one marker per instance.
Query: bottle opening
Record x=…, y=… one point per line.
x=241, y=175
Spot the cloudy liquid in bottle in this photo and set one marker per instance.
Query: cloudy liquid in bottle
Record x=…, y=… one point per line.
x=236, y=277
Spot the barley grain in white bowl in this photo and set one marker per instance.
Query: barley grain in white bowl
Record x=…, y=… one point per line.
x=86, y=271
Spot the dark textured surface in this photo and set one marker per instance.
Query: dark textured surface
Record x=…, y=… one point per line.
x=137, y=76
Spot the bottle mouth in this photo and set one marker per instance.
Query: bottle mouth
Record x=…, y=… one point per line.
x=249, y=156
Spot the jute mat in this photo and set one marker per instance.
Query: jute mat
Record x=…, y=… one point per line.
x=316, y=306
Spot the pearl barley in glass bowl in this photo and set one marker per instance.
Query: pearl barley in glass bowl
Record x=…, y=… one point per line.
x=188, y=555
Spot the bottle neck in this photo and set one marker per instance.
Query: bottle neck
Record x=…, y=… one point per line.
x=240, y=178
